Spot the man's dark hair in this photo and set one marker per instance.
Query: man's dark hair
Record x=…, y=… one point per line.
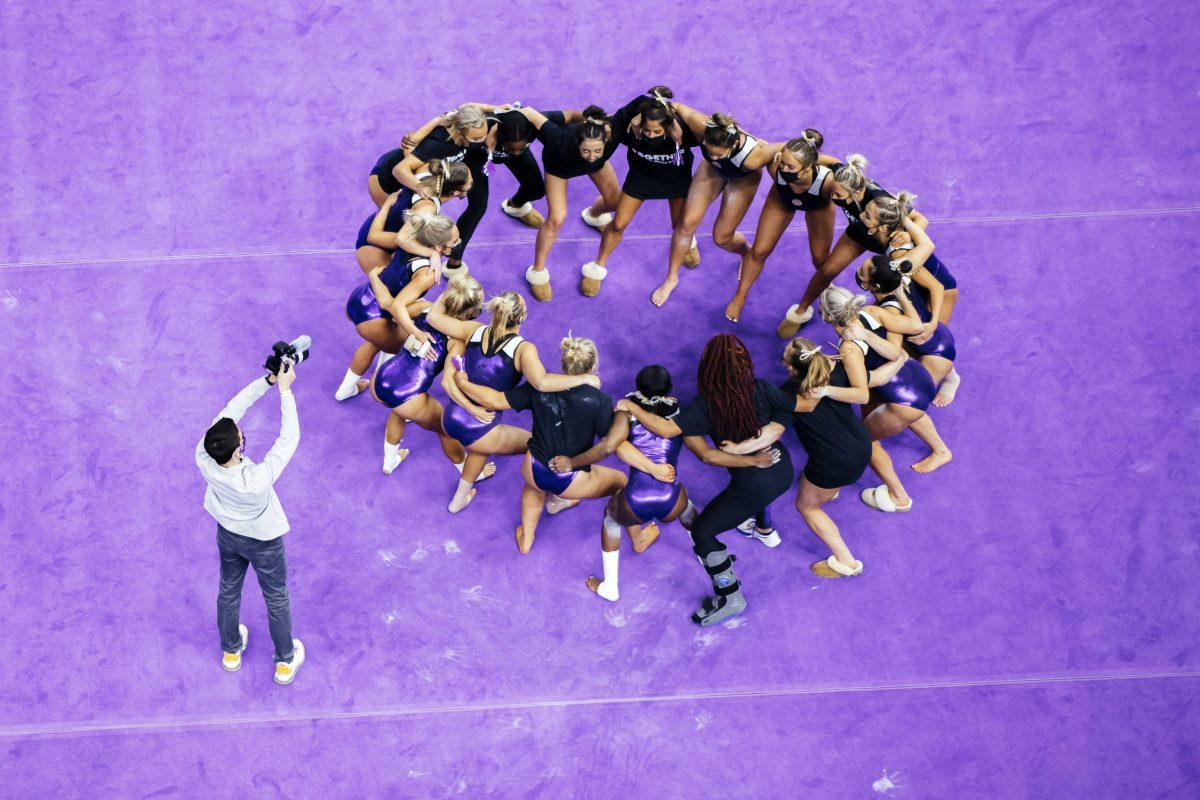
x=222, y=439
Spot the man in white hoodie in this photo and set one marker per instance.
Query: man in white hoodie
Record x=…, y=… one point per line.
x=250, y=521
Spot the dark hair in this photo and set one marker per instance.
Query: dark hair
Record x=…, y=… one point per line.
x=806, y=148
x=725, y=379
x=514, y=127
x=594, y=125
x=721, y=130
x=655, y=381
x=884, y=276
x=221, y=440
x=654, y=107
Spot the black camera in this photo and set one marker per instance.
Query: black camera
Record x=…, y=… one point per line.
x=294, y=351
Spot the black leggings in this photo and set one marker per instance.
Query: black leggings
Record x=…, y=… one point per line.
x=724, y=513
x=530, y=183
x=468, y=220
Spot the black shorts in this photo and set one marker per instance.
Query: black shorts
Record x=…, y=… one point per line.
x=834, y=474
x=383, y=171
x=643, y=185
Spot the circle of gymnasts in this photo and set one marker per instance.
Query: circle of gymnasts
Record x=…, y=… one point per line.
x=895, y=358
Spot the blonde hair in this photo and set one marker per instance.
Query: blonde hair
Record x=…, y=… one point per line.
x=463, y=298
x=808, y=362
x=431, y=230
x=507, y=311
x=466, y=117
x=446, y=177
x=851, y=173
x=840, y=306
x=579, y=355
x=892, y=211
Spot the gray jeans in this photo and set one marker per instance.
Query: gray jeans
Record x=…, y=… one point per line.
x=237, y=552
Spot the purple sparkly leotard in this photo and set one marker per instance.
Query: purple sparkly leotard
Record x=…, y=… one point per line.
x=406, y=376
x=363, y=306
x=648, y=497
x=496, y=370
x=942, y=341
x=911, y=386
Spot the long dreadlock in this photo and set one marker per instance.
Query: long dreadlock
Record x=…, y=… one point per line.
x=725, y=379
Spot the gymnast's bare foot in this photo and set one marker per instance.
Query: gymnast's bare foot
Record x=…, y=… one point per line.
x=932, y=461
x=733, y=311
x=524, y=543
x=663, y=292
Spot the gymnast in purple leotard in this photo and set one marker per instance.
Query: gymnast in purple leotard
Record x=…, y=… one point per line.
x=414, y=269
x=652, y=493
x=497, y=357
x=901, y=288
x=376, y=242
x=933, y=343
x=895, y=404
x=565, y=423
x=887, y=214
x=402, y=383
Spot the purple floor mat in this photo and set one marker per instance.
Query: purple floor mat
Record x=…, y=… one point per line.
x=181, y=188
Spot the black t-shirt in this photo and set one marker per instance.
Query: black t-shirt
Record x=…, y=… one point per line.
x=851, y=209
x=499, y=155
x=439, y=144
x=832, y=434
x=771, y=404
x=564, y=423
x=655, y=158
x=560, y=148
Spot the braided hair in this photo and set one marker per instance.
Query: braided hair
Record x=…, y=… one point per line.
x=654, y=391
x=445, y=177
x=595, y=125
x=725, y=379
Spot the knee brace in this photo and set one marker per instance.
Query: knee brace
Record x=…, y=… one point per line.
x=612, y=530
x=728, y=600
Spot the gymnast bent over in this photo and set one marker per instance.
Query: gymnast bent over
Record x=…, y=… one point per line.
x=652, y=493
x=733, y=405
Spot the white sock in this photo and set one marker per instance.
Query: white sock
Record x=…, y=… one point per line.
x=949, y=385
x=391, y=454
x=385, y=357
x=608, y=587
x=461, y=496
x=349, y=387
x=688, y=517
x=459, y=466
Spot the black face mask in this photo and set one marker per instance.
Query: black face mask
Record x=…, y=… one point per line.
x=476, y=145
x=790, y=177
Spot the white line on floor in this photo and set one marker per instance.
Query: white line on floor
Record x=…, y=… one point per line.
x=67, y=728
x=1133, y=212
